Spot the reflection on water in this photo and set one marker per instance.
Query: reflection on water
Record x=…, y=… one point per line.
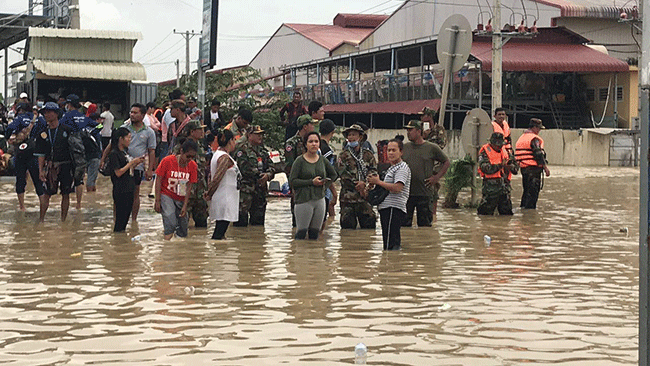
x=555, y=286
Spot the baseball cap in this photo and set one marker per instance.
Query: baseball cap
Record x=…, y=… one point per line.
x=50, y=106
x=414, y=123
x=72, y=98
x=303, y=121
x=194, y=125
x=23, y=95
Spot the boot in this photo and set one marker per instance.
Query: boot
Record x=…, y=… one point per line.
x=313, y=234
x=301, y=234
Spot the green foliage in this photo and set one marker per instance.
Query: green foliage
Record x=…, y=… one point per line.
x=458, y=176
x=227, y=87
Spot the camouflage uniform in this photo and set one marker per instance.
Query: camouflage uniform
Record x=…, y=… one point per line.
x=253, y=162
x=438, y=136
x=496, y=191
x=354, y=206
x=197, y=207
x=293, y=148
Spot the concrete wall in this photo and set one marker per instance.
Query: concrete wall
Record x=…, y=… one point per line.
x=611, y=33
x=627, y=107
x=416, y=18
x=563, y=147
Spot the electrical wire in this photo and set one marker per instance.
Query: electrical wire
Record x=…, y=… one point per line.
x=154, y=47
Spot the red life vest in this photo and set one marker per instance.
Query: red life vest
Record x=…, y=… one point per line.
x=496, y=158
x=524, y=150
x=505, y=131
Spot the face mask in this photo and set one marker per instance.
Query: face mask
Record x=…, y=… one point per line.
x=353, y=144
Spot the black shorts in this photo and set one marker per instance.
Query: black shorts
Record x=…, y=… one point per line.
x=64, y=181
x=137, y=176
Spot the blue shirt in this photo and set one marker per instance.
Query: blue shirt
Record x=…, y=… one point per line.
x=77, y=120
x=23, y=120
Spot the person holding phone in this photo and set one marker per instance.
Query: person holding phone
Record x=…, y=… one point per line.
x=121, y=165
x=392, y=211
x=310, y=176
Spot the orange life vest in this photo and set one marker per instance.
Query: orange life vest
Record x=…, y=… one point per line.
x=496, y=158
x=505, y=131
x=524, y=150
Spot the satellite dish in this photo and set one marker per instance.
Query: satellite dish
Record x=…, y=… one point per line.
x=455, y=36
x=477, y=128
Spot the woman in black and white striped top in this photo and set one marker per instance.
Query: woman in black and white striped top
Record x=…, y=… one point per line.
x=397, y=181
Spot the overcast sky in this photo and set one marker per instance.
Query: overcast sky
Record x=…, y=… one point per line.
x=244, y=25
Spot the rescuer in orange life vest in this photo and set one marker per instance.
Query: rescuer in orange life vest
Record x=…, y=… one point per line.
x=531, y=157
x=500, y=124
x=496, y=167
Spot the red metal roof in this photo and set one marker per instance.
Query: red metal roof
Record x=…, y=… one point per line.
x=546, y=57
x=331, y=36
x=406, y=107
x=591, y=8
x=359, y=20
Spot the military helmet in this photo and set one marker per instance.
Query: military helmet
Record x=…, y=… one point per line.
x=497, y=139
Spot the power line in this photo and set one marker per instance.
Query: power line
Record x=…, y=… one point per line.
x=154, y=47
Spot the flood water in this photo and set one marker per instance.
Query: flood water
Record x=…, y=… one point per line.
x=555, y=286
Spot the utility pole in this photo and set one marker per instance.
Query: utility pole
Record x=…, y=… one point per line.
x=187, y=35
x=178, y=73
x=644, y=186
x=497, y=57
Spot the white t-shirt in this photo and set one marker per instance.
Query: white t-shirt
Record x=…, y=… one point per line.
x=108, y=123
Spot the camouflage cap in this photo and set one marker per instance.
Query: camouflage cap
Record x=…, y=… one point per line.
x=414, y=123
x=303, y=121
x=354, y=127
x=497, y=139
x=194, y=125
x=256, y=129
x=536, y=122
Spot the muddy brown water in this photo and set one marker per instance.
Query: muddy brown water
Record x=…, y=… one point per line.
x=558, y=285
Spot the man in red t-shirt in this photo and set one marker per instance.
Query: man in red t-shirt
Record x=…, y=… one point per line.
x=175, y=176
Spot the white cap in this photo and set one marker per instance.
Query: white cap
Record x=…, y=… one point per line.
x=87, y=104
x=23, y=95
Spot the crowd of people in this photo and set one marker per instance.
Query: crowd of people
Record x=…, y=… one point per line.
x=211, y=170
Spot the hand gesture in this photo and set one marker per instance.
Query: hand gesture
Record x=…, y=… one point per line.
x=156, y=206
x=318, y=181
x=360, y=186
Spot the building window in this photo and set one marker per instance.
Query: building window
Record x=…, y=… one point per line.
x=591, y=95
x=619, y=93
x=602, y=94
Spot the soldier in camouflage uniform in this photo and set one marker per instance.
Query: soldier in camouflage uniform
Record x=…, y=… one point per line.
x=294, y=147
x=197, y=207
x=436, y=133
x=354, y=165
x=256, y=168
x=495, y=166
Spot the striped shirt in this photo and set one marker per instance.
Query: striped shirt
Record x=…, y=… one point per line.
x=399, y=172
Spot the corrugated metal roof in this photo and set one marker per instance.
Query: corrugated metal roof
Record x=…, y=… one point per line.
x=548, y=57
x=94, y=70
x=331, y=36
x=359, y=20
x=590, y=8
x=405, y=107
x=83, y=33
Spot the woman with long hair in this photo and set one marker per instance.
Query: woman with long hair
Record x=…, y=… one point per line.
x=120, y=165
x=310, y=176
x=223, y=187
